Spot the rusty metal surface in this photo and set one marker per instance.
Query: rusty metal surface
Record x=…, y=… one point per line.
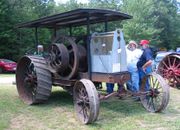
x=63, y=82
x=33, y=79
x=86, y=101
x=70, y=70
x=82, y=59
x=120, y=77
x=169, y=68
x=58, y=59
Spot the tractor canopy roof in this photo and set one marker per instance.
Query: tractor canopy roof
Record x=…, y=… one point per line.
x=77, y=17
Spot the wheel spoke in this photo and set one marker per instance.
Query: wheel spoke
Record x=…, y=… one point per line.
x=34, y=90
x=160, y=96
x=30, y=80
x=79, y=101
x=153, y=83
x=81, y=110
x=86, y=111
x=174, y=62
x=161, y=68
x=177, y=79
x=169, y=61
x=156, y=84
x=84, y=115
x=153, y=103
x=178, y=65
x=29, y=71
x=165, y=64
x=156, y=102
x=149, y=101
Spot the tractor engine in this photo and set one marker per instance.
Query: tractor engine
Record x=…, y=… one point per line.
x=67, y=57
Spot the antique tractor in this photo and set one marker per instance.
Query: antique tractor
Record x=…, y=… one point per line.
x=79, y=64
x=169, y=68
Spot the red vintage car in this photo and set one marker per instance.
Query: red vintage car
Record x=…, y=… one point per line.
x=7, y=65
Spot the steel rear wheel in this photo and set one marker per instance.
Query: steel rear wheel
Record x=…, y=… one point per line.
x=33, y=80
x=155, y=97
x=169, y=68
x=86, y=101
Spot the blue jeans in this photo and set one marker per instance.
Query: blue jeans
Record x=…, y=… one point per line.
x=110, y=87
x=133, y=83
x=142, y=74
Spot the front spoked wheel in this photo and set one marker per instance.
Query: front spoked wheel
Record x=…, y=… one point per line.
x=155, y=91
x=86, y=101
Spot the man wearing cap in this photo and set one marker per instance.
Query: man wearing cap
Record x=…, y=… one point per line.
x=145, y=62
x=133, y=55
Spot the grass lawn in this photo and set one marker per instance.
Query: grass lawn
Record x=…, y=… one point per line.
x=58, y=113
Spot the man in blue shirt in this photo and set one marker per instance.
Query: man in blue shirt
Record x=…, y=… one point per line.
x=145, y=62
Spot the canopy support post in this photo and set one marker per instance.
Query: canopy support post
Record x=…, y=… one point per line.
x=55, y=32
x=106, y=24
x=88, y=47
x=70, y=30
x=36, y=37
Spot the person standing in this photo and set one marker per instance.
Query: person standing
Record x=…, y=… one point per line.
x=145, y=62
x=133, y=55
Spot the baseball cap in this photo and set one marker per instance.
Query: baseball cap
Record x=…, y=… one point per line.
x=143, y=42
x=133, y=42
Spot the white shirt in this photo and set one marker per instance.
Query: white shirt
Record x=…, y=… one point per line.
x=133, y=58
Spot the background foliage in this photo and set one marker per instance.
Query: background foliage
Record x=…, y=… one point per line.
x=156, y=20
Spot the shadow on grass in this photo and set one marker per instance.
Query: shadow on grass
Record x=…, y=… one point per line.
x=58, y=98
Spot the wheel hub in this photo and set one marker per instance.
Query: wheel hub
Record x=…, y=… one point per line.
x=154, y=93
x=171, y=72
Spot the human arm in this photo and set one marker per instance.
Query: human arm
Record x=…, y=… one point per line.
x=148, y=63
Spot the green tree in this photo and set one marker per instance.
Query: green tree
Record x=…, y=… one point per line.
x=142, y=24
x=168, y=22
x=15, y=42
